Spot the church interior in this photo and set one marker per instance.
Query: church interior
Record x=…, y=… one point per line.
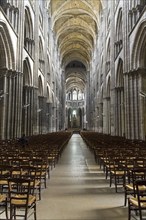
x=73, y=103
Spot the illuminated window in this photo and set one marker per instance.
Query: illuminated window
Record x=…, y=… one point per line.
x=74, y=95
x=74, y=113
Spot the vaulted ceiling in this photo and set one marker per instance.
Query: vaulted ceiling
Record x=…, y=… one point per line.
x=75, y=26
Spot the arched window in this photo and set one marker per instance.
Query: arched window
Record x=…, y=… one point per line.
x=74, y=94
x=41, y=55
x=28, y=32
x=119, y=34
x=108, y=57
x=40, y=87
x=80, y=95
x=48, y=70
x=101, y=73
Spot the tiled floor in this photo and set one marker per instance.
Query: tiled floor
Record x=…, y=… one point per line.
x=77, y=189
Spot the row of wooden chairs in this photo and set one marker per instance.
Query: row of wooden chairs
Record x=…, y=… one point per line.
x=124, y=163
x=24, y=172
x=20, y=196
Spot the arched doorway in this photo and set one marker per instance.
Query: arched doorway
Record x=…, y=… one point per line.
x=74, y=118
x=27, y=96
x=8, y=87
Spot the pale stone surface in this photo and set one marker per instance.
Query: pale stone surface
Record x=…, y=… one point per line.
x=77, y=189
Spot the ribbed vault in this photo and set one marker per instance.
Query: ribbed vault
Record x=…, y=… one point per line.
x=75, y=27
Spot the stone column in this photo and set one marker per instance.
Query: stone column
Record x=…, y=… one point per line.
x=3, y=103
x=126, y=105
x=131, y=107
x=135, y=92
x=9, y=89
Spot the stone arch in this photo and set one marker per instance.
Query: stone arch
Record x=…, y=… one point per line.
x=41, y=55
x=28, y=25
x=138, y=55
x=108, y=87
x=119, y=74
x=7, y=59
x=119, y=33
x=27, y=78
x=40, y=104
x=7, y=62
x=119, y=101
x=108, y=106
x=27, y=95
x=138, y=61
x=101, y=73
x=48, y=69
x=49, y=99
x=40, y=86
x=28, y=32
x=108, y=57
x=48, y=93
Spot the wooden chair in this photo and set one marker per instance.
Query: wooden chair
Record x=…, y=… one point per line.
x=3, y=205
x=136, y=174
x=21, y=198
x=137, y=203
x=5, y=173
x=117, y=173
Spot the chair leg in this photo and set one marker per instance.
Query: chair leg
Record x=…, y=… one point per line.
x=6, y=210
x=40, y=192
x=25, y=217
x=110, y=179
x=35, y=217
x=15, y=213
x=106, y=173
x=140, y=214
x=115, y=183
x=11, y=212
x=129, y=211
x=125, y=199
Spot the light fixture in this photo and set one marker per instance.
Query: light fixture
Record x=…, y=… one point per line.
x=39, y=110
x=26, y=105
x=2, y=95
x=142, y=94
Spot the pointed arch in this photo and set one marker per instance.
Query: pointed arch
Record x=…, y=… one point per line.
x=41, y=55
x=119, y=74
x=28, y=25
x=108, y=57
x=119, y=33
x=41, y=50
x=27, y=73
x=108, y=87
x=40, y=86
x=28, y=32
x=138, y=55
x=7, y=58
x=101, y=73
x=49, y=98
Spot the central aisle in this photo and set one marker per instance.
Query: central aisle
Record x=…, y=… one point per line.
x=77, y=189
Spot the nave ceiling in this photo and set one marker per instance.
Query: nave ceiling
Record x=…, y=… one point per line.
x=75, y=26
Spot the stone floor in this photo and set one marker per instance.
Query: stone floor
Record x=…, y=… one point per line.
x=77, y=189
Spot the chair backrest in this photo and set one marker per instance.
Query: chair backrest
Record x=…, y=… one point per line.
x=5, y=171
x=138, y=174
x=19, y=191
x=141, y=196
